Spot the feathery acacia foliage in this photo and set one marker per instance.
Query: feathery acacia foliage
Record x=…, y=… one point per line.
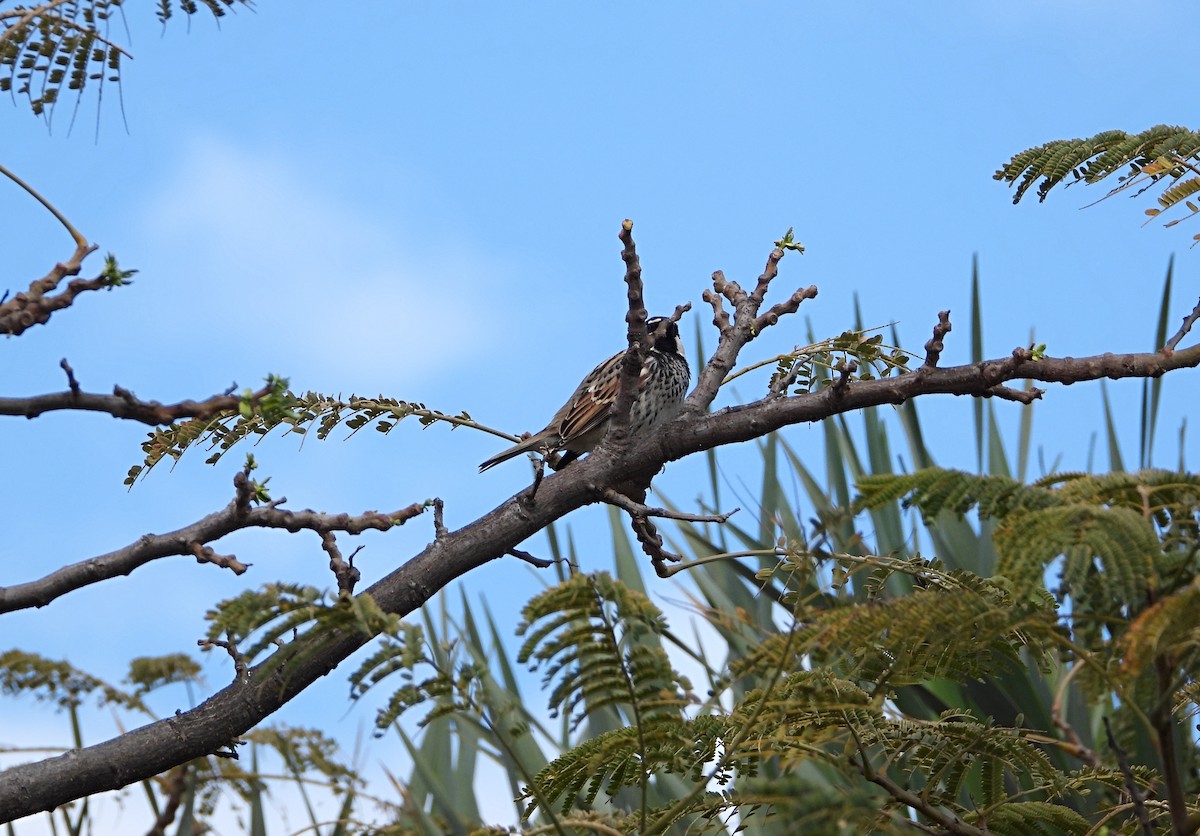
x=297, y=414
x=1163, y=155
x=47, y=46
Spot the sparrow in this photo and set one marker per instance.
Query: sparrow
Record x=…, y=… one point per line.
x=583, y=420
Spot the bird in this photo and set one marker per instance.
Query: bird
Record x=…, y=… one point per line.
x=583, y=420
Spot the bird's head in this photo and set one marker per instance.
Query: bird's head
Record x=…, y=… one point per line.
x=664, y=335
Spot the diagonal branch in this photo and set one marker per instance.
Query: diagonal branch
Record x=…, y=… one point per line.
x=155, y=748
x=232, y=711
x=1188, y=322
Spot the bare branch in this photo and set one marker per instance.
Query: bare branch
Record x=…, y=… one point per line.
x=1188, y=322
x=124, y=404
x=746, y=325
x=72, y=383
x=241, y=672
x=933, y=348
x=790, y=306
x=175, y=784
x=652, y=544
x=157, y=747
x=639, y=340
x=439, y=525
x=186, y=541
x=612, y=497
x=538, y=562
x=945, y=818
x=720, y=316
x=1025, y=396
x=845, y=369
x=204, y=554
x=343, y=569
x=34, y=306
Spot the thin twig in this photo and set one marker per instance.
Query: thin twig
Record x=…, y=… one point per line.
x=746, y=325
x=1188, y=322
x=1078, y=748
x=205, y=554
x=623, y=502
x=946, y=819
x=1007, y=393
x=668, y=571
x=539, y=562
x=933, y=348
x=80, y=242
x=1135, y=793
x=241, y=672
x=343, y=568
x=71, y=381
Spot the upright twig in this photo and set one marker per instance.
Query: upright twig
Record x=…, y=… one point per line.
x=638, y=339
x=745, y=325
x=933, y=348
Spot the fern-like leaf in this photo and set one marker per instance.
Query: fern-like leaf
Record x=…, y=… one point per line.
x=585, y=632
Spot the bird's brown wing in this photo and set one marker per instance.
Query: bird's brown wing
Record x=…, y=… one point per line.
x=593, y=401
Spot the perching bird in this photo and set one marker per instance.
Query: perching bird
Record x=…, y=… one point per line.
x=583, y=420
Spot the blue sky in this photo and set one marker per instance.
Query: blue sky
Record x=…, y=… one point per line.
x=422, y=200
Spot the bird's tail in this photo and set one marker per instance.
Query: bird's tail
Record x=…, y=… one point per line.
x=529, y=445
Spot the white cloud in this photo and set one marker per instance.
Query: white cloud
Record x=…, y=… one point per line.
x=291, y=273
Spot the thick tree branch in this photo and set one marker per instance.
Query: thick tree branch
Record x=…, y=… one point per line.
x=213, y=725
x=155, y=748
x=190, y=540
